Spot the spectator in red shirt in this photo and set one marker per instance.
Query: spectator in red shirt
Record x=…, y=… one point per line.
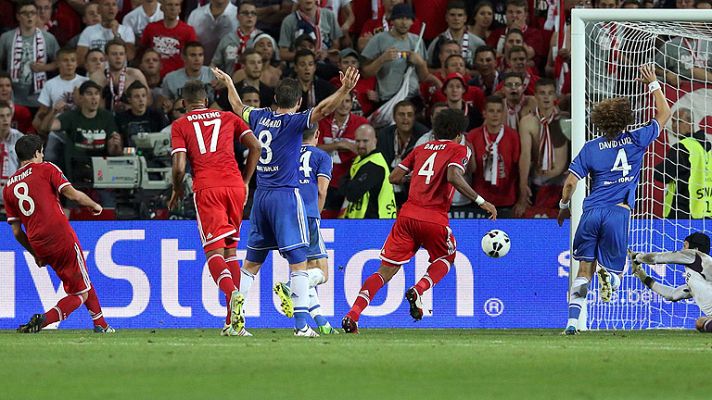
x=495, y=152
x=432, y=13
x=383, y=23
x=21, y=116
x=338, y=138
x=473, y=95
x=487, y=77
x=517, y=17
x=514, y=38
x=59, y=19
x=365, y=90
x=516, y=61
x=454, y=89
x=168, y=36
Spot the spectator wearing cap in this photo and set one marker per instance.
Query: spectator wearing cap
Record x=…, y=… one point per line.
x=454, y=89
x=338, y=138
x=389, y=54
x=271, y=73
x=456, y=17
x=314, y=89
x=252, y=68
x=232, y=46
x=365, y=90
x=88, y=130
x=396, y=141
x=374, y=26
x=310, y=19
x=212, y=22
x=495, y=155
x=473, y=94
x=168, y=36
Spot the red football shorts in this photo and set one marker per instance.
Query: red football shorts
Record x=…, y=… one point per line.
x=408, y=235
x=219, y=214
x=71, y=268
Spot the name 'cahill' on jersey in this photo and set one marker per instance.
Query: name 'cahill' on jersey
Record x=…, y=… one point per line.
x=614, y=166
x=281, y=138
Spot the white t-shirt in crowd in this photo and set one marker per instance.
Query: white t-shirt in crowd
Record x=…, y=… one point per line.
x=96, y=36
x=138, y=19
x=58, y=89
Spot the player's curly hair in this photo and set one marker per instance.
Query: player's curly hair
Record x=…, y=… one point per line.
x=449, y=123
x=612, y=116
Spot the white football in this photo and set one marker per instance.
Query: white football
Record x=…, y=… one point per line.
x=496, y=243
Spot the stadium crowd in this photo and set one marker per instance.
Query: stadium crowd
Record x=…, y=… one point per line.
x=94, y=78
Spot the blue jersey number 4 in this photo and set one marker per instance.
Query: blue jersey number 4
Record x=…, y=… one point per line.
x=621, y=163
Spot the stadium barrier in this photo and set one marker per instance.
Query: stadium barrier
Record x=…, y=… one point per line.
x=152, y=274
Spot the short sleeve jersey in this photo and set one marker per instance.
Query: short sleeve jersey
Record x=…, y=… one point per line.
x=314, y=162
x=208, y=136
x=281, y=138
x=32, y=197
x=614, y=166
x=430, y=193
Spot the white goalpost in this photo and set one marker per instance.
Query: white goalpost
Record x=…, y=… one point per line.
x=607, y=47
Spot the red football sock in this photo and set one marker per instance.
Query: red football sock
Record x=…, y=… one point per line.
x=369, y=289
x=221, y=274
x=92, y=304
x=62, y=310
x=436, y=271
x=234, y=267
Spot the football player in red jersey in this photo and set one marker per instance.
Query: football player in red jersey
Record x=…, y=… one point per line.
x=436, y=169
x=206, y=138
x=32, y=199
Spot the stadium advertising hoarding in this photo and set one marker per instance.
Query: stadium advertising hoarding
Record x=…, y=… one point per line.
x=152, y=274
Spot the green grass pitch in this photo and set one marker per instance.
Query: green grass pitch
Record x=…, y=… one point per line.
x=377, y=364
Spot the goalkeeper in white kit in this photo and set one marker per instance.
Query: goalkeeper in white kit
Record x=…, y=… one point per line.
x=698, y=274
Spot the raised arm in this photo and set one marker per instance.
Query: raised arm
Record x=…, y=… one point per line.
x=455, y=176
x=235, y=101
x=662, y=109
x=329, y=104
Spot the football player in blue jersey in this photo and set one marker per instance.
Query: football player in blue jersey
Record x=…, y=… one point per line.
x=278, y=219
x=613, y=162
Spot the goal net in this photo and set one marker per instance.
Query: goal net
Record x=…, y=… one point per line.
x=607, y=59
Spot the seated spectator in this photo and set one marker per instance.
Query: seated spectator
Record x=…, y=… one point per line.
x=168, y=37
x=395, y=142
x=89, y=131
x=495, y=155
x=308, y=18
x=487, y=76
x=516, y=103
x=8, y=137
x=57, y=95
x=388, y=55
x=151, y=69
x=338, y=138
x=232, y=46
x=28, y=54
x=545, y=156
x=250, y=96
x=454, y=89
x=374, y=26
x=681, y=169
x=139, y=118
x=97, y=36
x=21, y=115
x=367, y=190
x=314, y=89
x=94, y=61
x=265, y=45
x=516, y=61
x=212, y=22
x=143, y=15
x=116, y=77
x=252, y=67
x=365, y=90
x=685, y=59
x=483, y=18
x=59, y=19
x=517, y=16
x=456, y=18
x=193, y=58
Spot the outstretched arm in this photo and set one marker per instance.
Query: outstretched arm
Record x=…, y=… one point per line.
x=455, y=176
x=235, y=101
x=329, y=104
x=677, y=257
x=662, y=109
x=81, y=198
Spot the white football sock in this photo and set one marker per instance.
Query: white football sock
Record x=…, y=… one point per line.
x=577, y=299
x=316, y=277
x=246, y=279
x=300, y=296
